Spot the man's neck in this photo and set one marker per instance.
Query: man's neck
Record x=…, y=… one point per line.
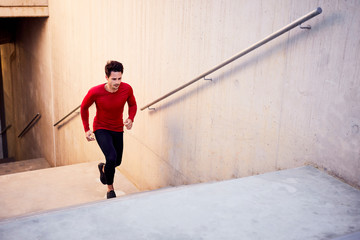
x=107, y=88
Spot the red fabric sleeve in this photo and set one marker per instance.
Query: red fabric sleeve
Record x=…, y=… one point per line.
x=132, y=105
x=84, y=110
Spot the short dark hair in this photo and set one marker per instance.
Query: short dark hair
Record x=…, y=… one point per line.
x=113, y=66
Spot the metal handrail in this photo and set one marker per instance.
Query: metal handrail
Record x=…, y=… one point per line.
x=5, y=129
x=30, y=125
x=67, y=115
x=242, y=53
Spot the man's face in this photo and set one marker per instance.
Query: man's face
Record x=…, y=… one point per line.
x=114, y=80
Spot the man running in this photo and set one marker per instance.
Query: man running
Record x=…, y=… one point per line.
x=108, y=126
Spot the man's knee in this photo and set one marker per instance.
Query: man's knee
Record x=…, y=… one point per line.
x=118, y=163
x=111, y=160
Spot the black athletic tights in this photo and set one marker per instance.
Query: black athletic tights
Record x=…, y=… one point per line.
x=111, y=144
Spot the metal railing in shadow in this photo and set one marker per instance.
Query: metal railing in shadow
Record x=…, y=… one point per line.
x=30, y=125
x=5, y=129
x=58, y=122
x=242, y=53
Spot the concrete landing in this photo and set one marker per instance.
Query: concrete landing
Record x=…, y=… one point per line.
x=52, y=188
x=302, y=203
x=23, y=166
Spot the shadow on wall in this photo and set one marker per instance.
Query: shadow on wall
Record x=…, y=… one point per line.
x=323, y=24
x=23, y=73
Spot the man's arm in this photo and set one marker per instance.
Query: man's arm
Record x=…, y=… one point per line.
x=132, y=111
x=84, y=111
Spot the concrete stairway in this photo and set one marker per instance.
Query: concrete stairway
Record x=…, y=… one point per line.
x=52, y=188
x=302, y=203
x=23, y=166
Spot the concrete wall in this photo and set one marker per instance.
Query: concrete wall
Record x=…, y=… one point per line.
x=292, y=102
x=7, y=51
x=28, y=90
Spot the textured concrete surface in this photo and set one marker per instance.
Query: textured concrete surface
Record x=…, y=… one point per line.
x=23, y=166
x=52, y=188
x=302, y=203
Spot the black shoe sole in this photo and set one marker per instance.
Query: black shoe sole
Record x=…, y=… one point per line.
x=111, y=194
x=102, y=174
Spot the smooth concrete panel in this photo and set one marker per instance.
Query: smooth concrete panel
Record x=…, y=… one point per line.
x=270, y=110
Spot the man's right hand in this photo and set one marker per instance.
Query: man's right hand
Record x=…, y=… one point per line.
x=89, y=136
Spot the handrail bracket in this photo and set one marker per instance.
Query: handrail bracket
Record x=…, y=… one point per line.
x=308, y=27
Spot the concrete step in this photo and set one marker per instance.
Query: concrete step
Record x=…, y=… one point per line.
x=301, y=203
x=23, y=166
x=6, y=160
x=52, y=188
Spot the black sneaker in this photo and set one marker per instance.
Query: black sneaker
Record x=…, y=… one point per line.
x=102, y=174
x=111, y=194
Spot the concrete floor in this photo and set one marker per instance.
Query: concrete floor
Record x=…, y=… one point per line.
x=29, y=192
x=302, y=203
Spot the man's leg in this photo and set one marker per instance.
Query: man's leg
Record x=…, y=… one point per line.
x=118, y=141
x=105, y=140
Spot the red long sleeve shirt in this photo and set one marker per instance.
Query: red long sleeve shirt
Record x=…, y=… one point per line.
x=109, y=107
